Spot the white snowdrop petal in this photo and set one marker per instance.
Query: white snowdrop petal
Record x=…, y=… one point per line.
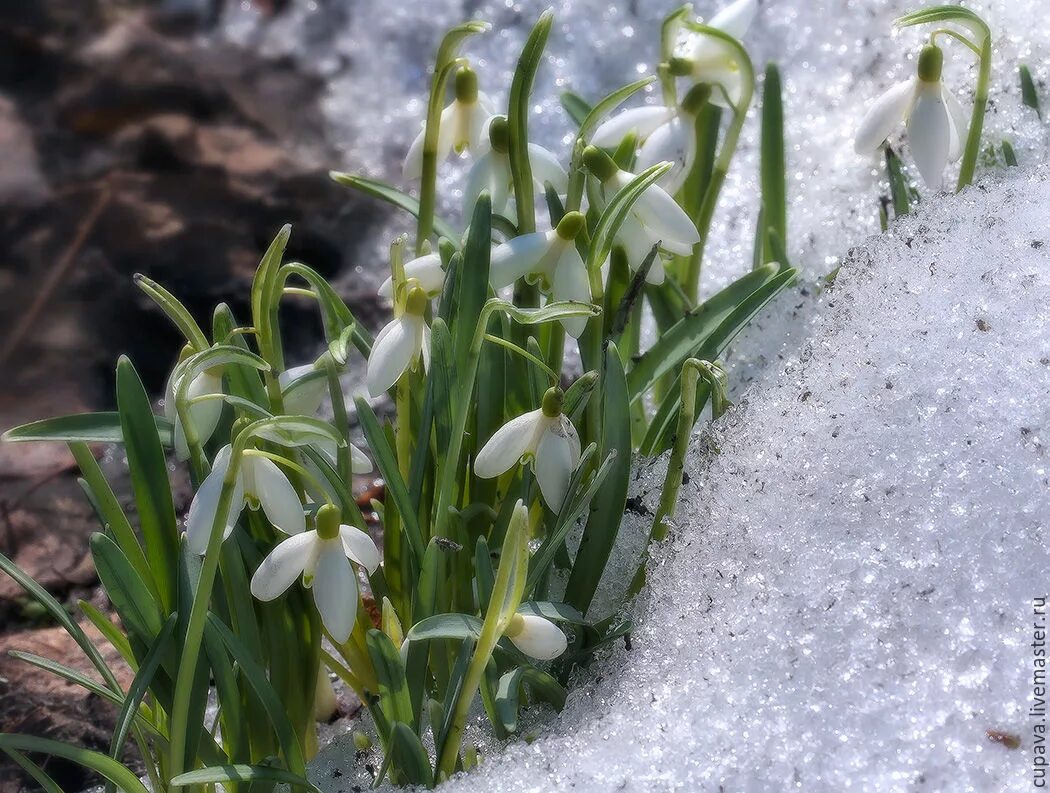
x=359, y=461
x=546, y=168
x=572, y=283
x=674, y=142
x=508, y=444
x=640, y=120
x=286, y=562
x=517, y=257
x=554, y=465
x=735, y=18
x=668, y=221
x=540, y=638
x=201, y=516
x=885, y=113
x=359, y=547
x=303, y=388
x=335, y=590
x=422, y=346
x=275, y=494
x=205, y=414
x=483, y=175
x=930, y=137
x=392, y=353
x=959, y=119
x=413, y=166
x=425, y=269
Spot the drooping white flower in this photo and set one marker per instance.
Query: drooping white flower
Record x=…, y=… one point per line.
x=536, y=636
x=303, y=388
x=204, y=415
x=713, y=61
x=666, y=134
x=937, y=122
x=400, y=345
x=323, y=557
x=259, y=484
x=426, y=269
x=654, y=218
x=461, y=127
x=491, y=171
x=547, y=437
x=550, y=257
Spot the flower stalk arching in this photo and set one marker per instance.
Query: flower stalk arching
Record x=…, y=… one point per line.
x=669, y=29
x=983, y=49
x=691, y=282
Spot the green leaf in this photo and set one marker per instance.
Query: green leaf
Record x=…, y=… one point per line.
x=518, y=120
x=149, y=480
x=576, y=106
x=386, y=461
x=139, y=612
x=334, y=311
x=559, y=612
x=267, y=281
x=556, y=310
x=682, y=340
x=1029, y=94
x=244, y=381
x=139, y=686
x=773, y=166
x=101, y=427
x=445, y=626
x=603, y=523
x=47, y=784
x=111, y=515
x=393, y=686
x=109, y=768
x=111, y=632
x=608, y=104
x=472, y=282
x=175, y=311
x=543, y=686
x=241, y=773
x=408, y=757
x=293, y=431
x=898, y=183
x=393, y=196
x=256, y=678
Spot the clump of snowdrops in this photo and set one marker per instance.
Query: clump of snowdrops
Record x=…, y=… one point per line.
x=506, y=468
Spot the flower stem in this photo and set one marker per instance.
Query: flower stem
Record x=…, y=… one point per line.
x=973, y=138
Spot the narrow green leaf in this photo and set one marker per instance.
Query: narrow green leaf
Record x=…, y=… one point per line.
x=47, y=784
x=603, y=523
x=334, y=311
x=559, y=612
x=899, y=189
x=139, y=612
x=109, y=768
x=393, y=196
x=617, y=211
x=393, y=686
x=174, y=310
x=543, y=686
x=608, y=104
x=576, y=106
x=1029, y=94
x=1009, y=156
x=408, y=757
x=101, y=427
x=472, y=282
x=773, y=165
x=241, y=773
x=149, y=480
x=518, y=120
x=386, y=461
x=445, y=626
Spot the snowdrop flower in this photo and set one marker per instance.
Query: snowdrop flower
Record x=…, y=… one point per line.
x=550, y=257
x=260, y=484
x=546, y=436
x=426, y=269
x=400, y=344
x=461, y=127
x=492, y=172
x=936, y=120
x=302, y=389
x=667, y=134
x=654, y=218
x=323, y=558
x=204, y=415
x=710, y=60
x=536, y=636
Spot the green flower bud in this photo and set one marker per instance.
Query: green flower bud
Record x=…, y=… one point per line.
x=552, y=404
x=931, y=59
x=571, y=225
x=499, y=134
x=696, y=98
x=467, y=85
x=327, y=520
x=361, y=741
x=599, y=163
x=680, y=67
x=517, y=622
x=416, y=303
